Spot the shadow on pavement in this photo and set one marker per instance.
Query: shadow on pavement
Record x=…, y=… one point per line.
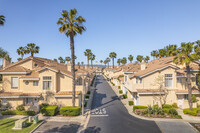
x=93, y=129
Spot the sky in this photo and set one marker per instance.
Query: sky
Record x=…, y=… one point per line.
x=123, y=26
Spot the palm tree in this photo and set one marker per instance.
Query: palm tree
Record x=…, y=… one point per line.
x=71, y=24
x=79, y=65
x=105, y=62
x=92, y=58
x=4, y=54
x=162, y=53
x=2, y=19
x=147, y=58
x=124, y=60
x=67, y=58
x=87, y=53
x=171, y=50
x=21, y=51
x=154, y=53
x=130, y=58
x=101, y=61
x=82, y=63
x=32, y=48
x=186, y=57
x=118, y=61
x=108, y=60
x=55, y=60
x=140, y=58
x=61, y=59
x=113, y=55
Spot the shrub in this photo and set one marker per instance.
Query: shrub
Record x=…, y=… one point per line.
x=124, y=96
x=191, y=112
x=173, y=112
x=70, y=111
x=130, y=103
x=194, y=99
x=43, y=105
x=174, y=105
x=165, y=110
x=178, y=116
x=155, y=106
x=49, y=110
x=88, y=92
x=15, y=112
x=168, y=106
x=87, y=97
x=20, y=108
x=120, y=92
x=119, y=87
x=139, y=107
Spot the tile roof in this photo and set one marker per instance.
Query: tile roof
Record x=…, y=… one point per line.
x=15, y=69
x=148, y=90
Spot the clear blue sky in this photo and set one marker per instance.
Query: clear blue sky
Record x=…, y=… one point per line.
x=123, y=26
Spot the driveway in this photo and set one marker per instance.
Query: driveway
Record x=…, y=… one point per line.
x=110, y=116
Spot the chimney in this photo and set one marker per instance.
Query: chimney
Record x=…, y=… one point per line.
x=6, y=62
x=143, y=65
x=69, y=66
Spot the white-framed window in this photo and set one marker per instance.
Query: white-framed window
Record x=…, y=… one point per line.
x=4, y=101
x=35, y=83
x=185, y=96
x=140, y=80
x=136, y=80
x=47, y=83
x=28, y=101
x=168, y=80
x=14, y=82
x=179, y=80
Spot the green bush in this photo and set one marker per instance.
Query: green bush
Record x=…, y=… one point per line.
x=119, y=87
x=178, y=116
x=130, y=103
x=88, y=92
x=194, y=99
x=49, y=110
x=70, y=111
x=87, y=97
x=168, y=106
x=166, y=110
x=191, y=112
x=124, y=96
x=43, y=105
x=20, y=108
x=139, y=107
x=173, y=112
x=120, y=92
x=174, y=105
x=15, y=112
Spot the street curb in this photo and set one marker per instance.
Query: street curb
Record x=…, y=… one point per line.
x=37, y=126
x=192, y=127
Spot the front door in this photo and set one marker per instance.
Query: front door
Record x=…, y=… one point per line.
x=125, y=90
x=35, y=102
x=180, y=101
x=136, y=99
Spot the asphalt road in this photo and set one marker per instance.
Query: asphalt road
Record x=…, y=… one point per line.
x=110, y=116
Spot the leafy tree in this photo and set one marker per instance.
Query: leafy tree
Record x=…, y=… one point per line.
x=67, y=58
x=2, y=20
x=32, y=48
x=19, y=59
x=139, y=58
x=124, y=60
x=55, y=60
x=71, y=24
x=61, y=59
x=87, y=53
x=130, y=58
x=147, y=58
x=113, y=55
x=21, y=51
x=186, y=57
x=118, y=61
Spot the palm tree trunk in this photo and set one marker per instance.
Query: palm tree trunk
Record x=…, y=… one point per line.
x=22, y=56
x=88, y=61
x=32, y=54
x=113, y=62
x=91, y=64
x=72, y=68
x=189, y=86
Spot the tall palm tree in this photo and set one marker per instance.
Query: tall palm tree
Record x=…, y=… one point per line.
x=162, y=53
x=107, y=61
x=4, y=54
x=67, y=58
x=79, y=65
x=119, y=61
x=171, y=50
x=61, y=59
x=124, y=60
x=71, y=24
x=113, y=55
x=21, y=51
x=92, y=58
x=32, y=48
x=147, y=58
x=87, y=53
x=140, y=58
x=101, y=61
x=154, y=53
x=186, y=57
x=130, y=58
x=2, y=20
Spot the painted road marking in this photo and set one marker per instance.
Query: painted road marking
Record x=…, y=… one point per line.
x=99, y=112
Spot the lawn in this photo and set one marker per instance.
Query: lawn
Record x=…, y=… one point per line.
x=7, y=124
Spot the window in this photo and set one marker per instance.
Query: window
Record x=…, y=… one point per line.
x=140, y=80
x=179, y=80
x=168, y=80
x=28, y=101
x=14, y=82
x=185, y=96
x=136, y=80
x=47, y=83
x=4, y=101
x=26, y=82
x=35, y=83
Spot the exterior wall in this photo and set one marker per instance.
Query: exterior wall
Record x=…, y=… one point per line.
x=7, y=83
x=64, y=83
x=27, y=64
x=67, y=101
x=14, y=102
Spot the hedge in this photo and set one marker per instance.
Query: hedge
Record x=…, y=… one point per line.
x=20, y=108
x=119, y=87
x=70, y=111
x=124, y=96
x=15, y=112
x=168, y=106
x=193, y=112
x=139, y=107
x=120, y=92
x=130, y=103
x=49, y=110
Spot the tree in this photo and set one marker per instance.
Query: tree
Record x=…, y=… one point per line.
x=118, y=61
x=55, y=60
x=124, y=60
x=113, y=55
x=87, y=53
x=61, y=60
x=162, y=53
x=101, y=61
x=71, y=24
x=107, y=61
x=186, y=57
x=32, y=48
x=4, y=54
x=2, y=20
x=171, y=50
x=139, y=58
x=18, y=59
x=79, y=65
x=147, y=58
x=21, y=51
x=130, y=58
x=154, y=54
x=67, y=58
x=82, y=63
x=92, y=58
